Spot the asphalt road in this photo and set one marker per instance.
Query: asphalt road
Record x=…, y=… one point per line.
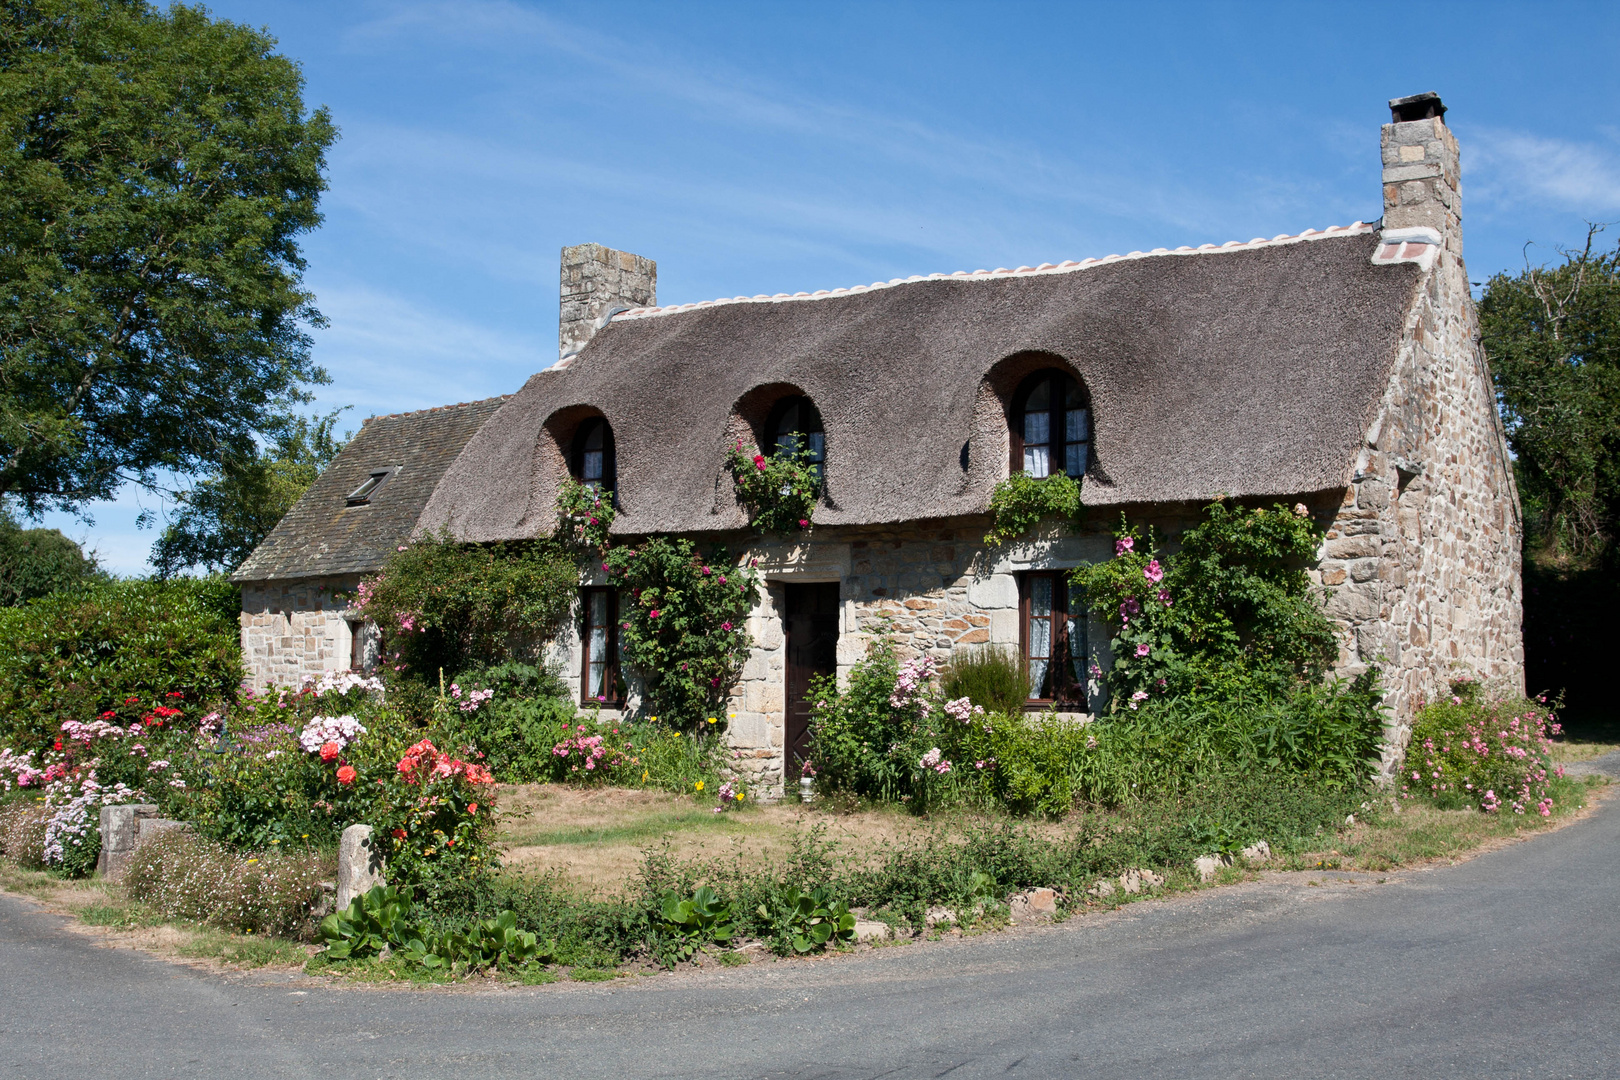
x=1505, y=966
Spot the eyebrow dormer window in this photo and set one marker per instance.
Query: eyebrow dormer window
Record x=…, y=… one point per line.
x=1051, y=426
x=593, y=463
x=361, y=495
x=796, y=425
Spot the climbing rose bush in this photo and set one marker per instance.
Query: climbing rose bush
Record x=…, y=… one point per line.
x=1468, y=752
x=779, y=491
x=683, y=626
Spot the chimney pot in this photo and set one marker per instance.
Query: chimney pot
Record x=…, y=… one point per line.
x=1404, y=110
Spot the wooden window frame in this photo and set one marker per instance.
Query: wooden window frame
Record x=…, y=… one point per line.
x=611, y=679
x=1071, y=693
x=1015, y=419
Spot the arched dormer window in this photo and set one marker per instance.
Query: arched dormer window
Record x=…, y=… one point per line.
x=795, y=424
x=1051, y=426
x=591, y=461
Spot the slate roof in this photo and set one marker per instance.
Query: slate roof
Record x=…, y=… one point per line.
x=1250, y=370
x=322, y=534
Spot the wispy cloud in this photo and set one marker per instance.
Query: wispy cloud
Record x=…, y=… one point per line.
x=1516, y=167
x=387, y=353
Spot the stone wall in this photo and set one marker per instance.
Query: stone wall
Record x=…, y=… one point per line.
x=930, y=587
x=1424, y=555
x=293, y=630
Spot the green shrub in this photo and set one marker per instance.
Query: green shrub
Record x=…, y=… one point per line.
x=778, y=491
x=1021, y=502
x=446, y=607
x=1470, y=752
x=182, y=876
x=992, y=677
x=74, y=654
x=1232, y=609
x=530, y=712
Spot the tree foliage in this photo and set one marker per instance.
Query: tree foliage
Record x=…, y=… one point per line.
x=225, y=514
x=1553, y=338
x=156, y=171
x=37, y=562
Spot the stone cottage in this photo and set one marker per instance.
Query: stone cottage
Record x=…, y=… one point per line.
x=1338, y=368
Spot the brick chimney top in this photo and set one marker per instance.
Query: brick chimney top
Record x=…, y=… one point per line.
x=1428, y=106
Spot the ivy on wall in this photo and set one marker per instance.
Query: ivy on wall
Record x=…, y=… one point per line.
x=1021, y=502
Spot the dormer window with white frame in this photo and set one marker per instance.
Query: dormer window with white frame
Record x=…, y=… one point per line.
x=362, y=495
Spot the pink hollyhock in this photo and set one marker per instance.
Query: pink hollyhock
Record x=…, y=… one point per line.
x=1124, y=544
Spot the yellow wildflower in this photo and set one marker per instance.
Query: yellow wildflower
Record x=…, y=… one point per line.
x=644, y=775
x=739, y=796
x=698, y=785
x=711, y=720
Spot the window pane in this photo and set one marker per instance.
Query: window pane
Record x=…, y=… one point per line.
x=1037, y=678
x=818, y=446
x=1037, y=428
x=1078, y=651
x=591, y=468
x=1040, y=398
x=1077, y=425
x=1071, y=394
x=1074, y=462
x=1035, y=461
x=593, y=441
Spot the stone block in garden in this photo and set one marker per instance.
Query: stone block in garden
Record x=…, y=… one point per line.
x=118, y=836
x=1135, y=881
x=360, y=866
x=1257, y=852
x=1208, y=866
x=869, y=930
x=1033, y=903
x=939, y=916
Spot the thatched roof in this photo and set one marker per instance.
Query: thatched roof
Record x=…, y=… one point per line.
x=322, y=534
x=1250, y=370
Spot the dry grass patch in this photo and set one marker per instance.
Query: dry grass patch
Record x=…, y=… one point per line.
x=1570, y=751
x=596, y=836
x=1420, y=833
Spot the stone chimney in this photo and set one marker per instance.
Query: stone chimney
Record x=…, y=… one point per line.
x=1422, y=187
x=596, y=282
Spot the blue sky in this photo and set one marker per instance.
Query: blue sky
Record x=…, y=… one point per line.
x=756, y=148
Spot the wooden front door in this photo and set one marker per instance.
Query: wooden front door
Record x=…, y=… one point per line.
x=811, y=624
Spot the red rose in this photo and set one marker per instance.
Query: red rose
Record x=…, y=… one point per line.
x=472, y=808
x=330, y=751
x=346, y=775
x=59, y=744
x=399, y=834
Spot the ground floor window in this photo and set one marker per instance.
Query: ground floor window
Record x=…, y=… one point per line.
x=364, y=645
x=599, y=671
x=1053, y=639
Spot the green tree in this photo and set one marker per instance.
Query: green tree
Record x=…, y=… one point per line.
x=1553, y=338
x=156, y=171
x=224, y=516
x=37, y=562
